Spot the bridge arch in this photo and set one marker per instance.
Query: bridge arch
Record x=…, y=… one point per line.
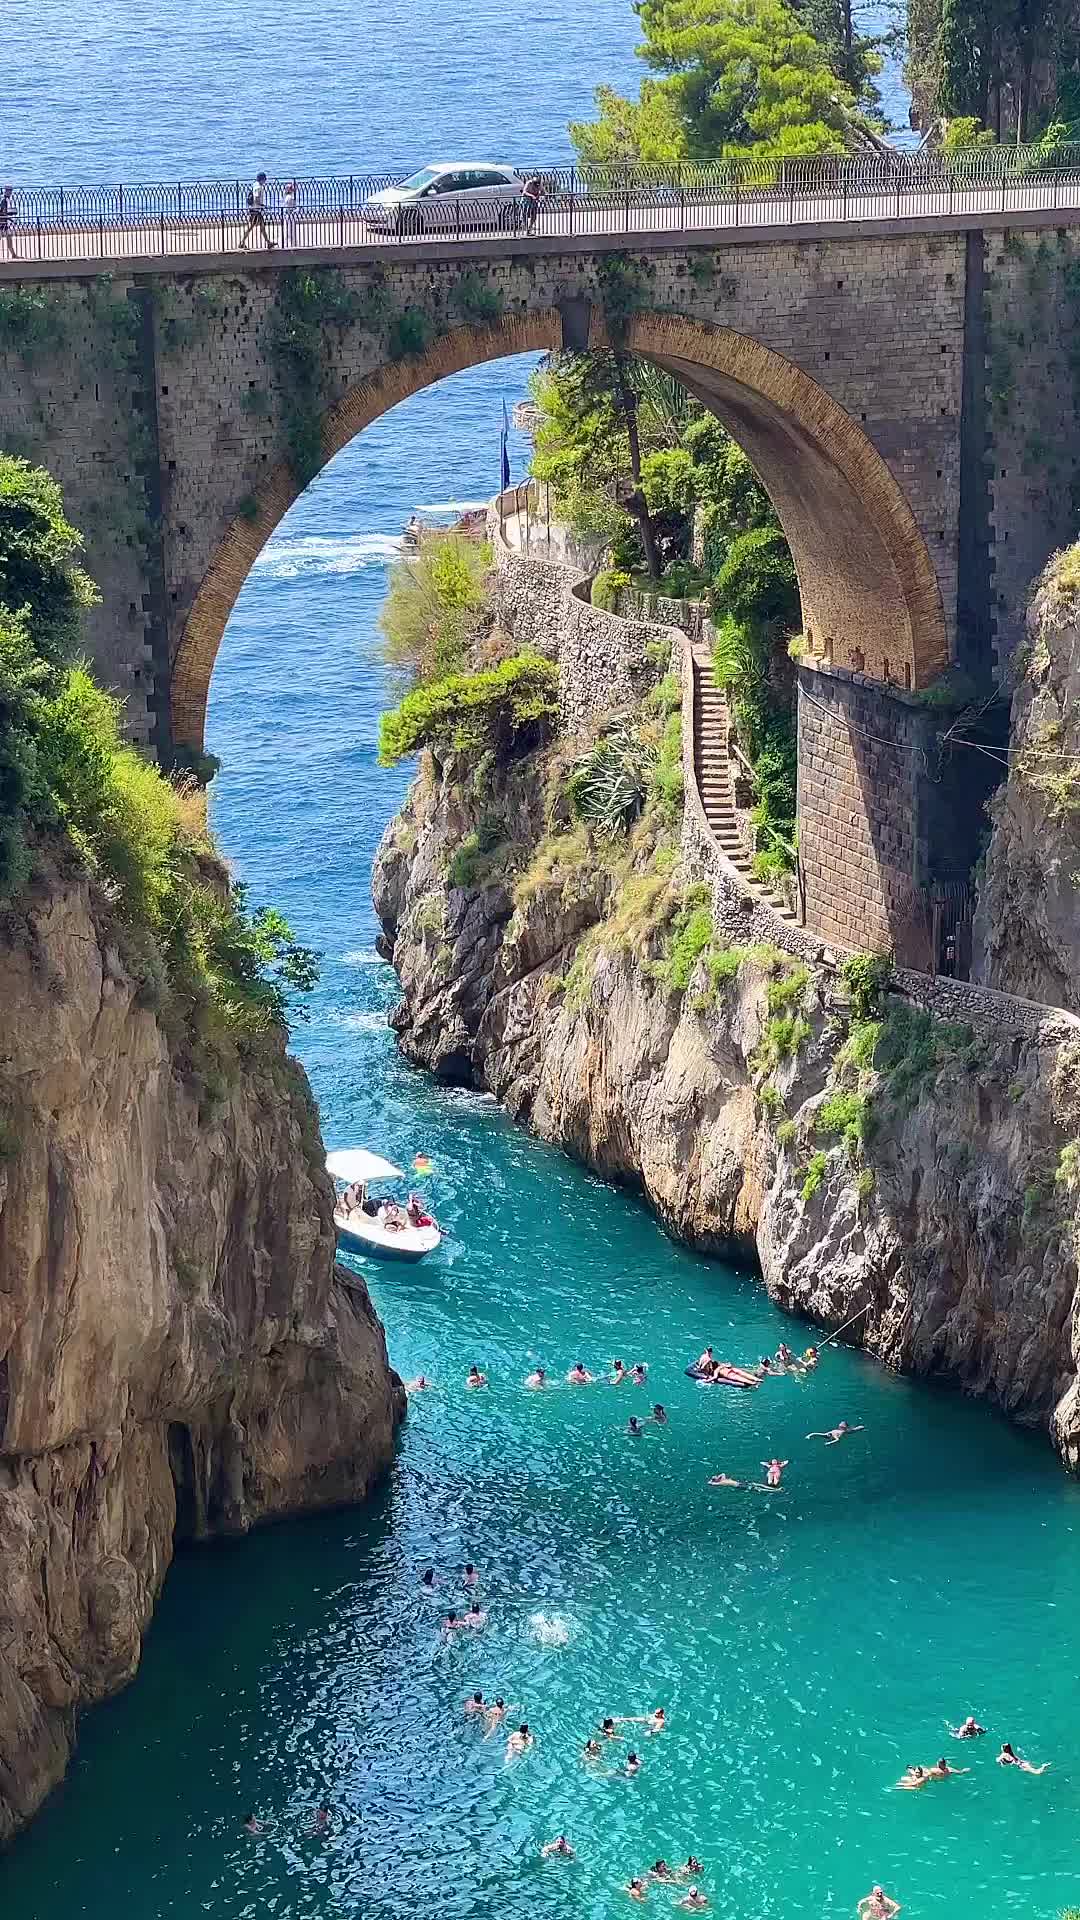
x=870, y=594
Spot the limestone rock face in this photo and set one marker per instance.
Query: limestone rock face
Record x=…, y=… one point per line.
x=1028, y=923
x=949, y=1238
x=178, y=1357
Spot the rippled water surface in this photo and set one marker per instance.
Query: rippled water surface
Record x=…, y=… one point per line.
x=807, y=1644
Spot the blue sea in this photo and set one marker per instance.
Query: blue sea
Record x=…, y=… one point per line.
x=807, y=1644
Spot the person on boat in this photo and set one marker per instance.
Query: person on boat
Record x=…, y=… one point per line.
x=618, y=1373
x=724, y=1480
x=392, y=1217
x=636, y=1888
x=476, y=1704
x=1007, y=1758
x=877, y=1905
x=968, y=1729
x=659, y=1415
x=476, y=1616
x=429, y=1579
x=774, y=1471
x=253, y=1825
x=537, y=1378
x=561, y=1846
x=639, y=1373
x=943, y=1771
x=633, y=1765
x=913, y=1779
x=476, y=1378
x=836, y=1434
x=519, y=1742
x=470, y=1577
x=661, y=1871
x=494, y=1716
x=591, y=1750
x=420, y=1385
x=418, y=1217
x=694, y=1900
x=579, y=1375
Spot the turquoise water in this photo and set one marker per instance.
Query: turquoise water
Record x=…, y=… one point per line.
x=807, y=1645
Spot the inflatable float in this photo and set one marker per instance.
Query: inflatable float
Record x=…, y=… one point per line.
x=723, y=1375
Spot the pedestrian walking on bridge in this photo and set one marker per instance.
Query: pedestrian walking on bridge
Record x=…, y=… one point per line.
x=256, y=213
x=7, y=214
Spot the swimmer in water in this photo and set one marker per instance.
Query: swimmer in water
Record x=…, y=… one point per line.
x=659, y=1415
x=784, y=1356
x=494, y=1715
x=476, y=1616
x=591, y=1750
x=693, y=1866
x=913, y=1779
x=636, y=1889
x=633, y=1765
x=774, y=1471
x=1007, y=1758
x=764, y=1365
x=661, y=1871
x=320, y=1820
x=537, y=1378
x=724, y=1480
x=470, y=1576
x=607, y=1728
x=428, y=1579
x=656, y=1721
x=518, y=1742
x=943, y=1771
x=618, y=1373
x=420, y=1385
x=836, y=1434
x=968, y=1729
x=694, y=1901
x=634, y=1427
x=252, y=1825
x=452, y=1622
x=476, y=1704
x=560, y=1846
x=810, y=1359
x=476, y=1378
x=639, y=1373
x=580, y=1376
x=876, y=1905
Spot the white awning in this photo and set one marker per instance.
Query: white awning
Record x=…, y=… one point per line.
x=356, y=1163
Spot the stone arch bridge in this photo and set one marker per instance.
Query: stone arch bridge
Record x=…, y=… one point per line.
x=899, y=386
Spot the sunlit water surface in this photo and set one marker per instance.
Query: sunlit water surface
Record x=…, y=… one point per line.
x=806, y=1644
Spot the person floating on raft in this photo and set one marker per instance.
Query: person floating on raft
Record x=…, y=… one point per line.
x=720, y=1373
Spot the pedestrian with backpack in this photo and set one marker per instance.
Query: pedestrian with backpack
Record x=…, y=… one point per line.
x=256, y=213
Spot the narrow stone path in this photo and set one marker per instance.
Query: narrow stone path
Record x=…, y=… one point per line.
x=712, y=770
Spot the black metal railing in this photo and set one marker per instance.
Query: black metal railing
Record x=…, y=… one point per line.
x=211, y=216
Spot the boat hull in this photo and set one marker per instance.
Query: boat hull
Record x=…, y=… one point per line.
x=369, y=1236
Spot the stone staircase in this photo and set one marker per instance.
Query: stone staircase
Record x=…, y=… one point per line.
x=712, y=771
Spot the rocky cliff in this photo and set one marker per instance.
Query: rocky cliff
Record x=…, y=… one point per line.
x=178, y=1357
x=876, y=1161
x=1028, y=926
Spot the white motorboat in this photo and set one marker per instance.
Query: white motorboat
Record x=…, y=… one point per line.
x=378, y=1226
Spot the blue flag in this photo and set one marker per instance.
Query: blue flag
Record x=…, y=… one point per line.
x=505, y=456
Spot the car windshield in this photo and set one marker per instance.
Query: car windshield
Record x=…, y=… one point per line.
x=417, y=181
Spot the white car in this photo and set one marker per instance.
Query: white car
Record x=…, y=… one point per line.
x=460, y=196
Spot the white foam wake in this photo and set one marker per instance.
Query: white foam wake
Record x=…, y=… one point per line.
x=287, y=559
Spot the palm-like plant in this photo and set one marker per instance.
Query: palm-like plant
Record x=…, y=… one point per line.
x=607, y=787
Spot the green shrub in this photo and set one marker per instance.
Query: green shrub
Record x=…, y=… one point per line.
x=814, y=1175
x=481, y=853
x=507, y=708
x=608, y=786
x=860, y=1046
x=691, y=934
x=666, y=696
x=787, y=989
x=769, y=1098
x=723, y=963
x=913, y=1046
x=866, y=977
x=33, y=321
x=433, y=603
x=409, y=332
x=476, y=301
x=785, y=1132
x=783, y=1036
x=666, y=786
x=864, y=1185
x=606, y=588
x=844, y=1115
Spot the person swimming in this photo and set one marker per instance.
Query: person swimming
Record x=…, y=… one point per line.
x=470, y=1576
x=636, y=1888
x=537, y=1378
x=659, y=1415
x=810, y=1359
x=1007, y=1758
x=634, y=1427
x=693, y=1865
x=876, y=1905
x=519, y=1742
x=254, y=1825
x=591, y=1750
x=453, y=1621
x=561, y=1846
x=724, y=1480
x=835, y=1434
x=475, y=1704
x=429, y=1579
x=476, y=1378
x=639, y=1373
x=494, y=1715
x=618, y=1373
x=694, y=1900
x=420, y=1385
x=607, y=1728
x=764, y=1365
x=661, y=1871
x=656, y=1721
x=476, y=1616
x=784, y=1356
x=320, y=1820
x=705, y=1360
x=968, y=1729
x=913, y=1779
x=579, y=1375
x=774, y=1471
x=943, y=1771
x=633, y=1765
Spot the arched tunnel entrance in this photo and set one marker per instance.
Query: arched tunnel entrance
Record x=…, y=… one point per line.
x=872, y=607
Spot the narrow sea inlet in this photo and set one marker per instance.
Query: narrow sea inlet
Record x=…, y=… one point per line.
x=807, y=1645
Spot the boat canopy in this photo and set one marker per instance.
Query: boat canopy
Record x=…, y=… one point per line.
x=356, y=1163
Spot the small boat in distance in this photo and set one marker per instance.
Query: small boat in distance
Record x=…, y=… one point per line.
x=379, y=1226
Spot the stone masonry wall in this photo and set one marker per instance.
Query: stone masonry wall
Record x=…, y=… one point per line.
x=170, y=446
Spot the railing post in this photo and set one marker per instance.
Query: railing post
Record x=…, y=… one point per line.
x=223, y=230
x=1057, y=177
x=161, y=220
x=39, y=236
x=738, y=197
x=341, y=226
